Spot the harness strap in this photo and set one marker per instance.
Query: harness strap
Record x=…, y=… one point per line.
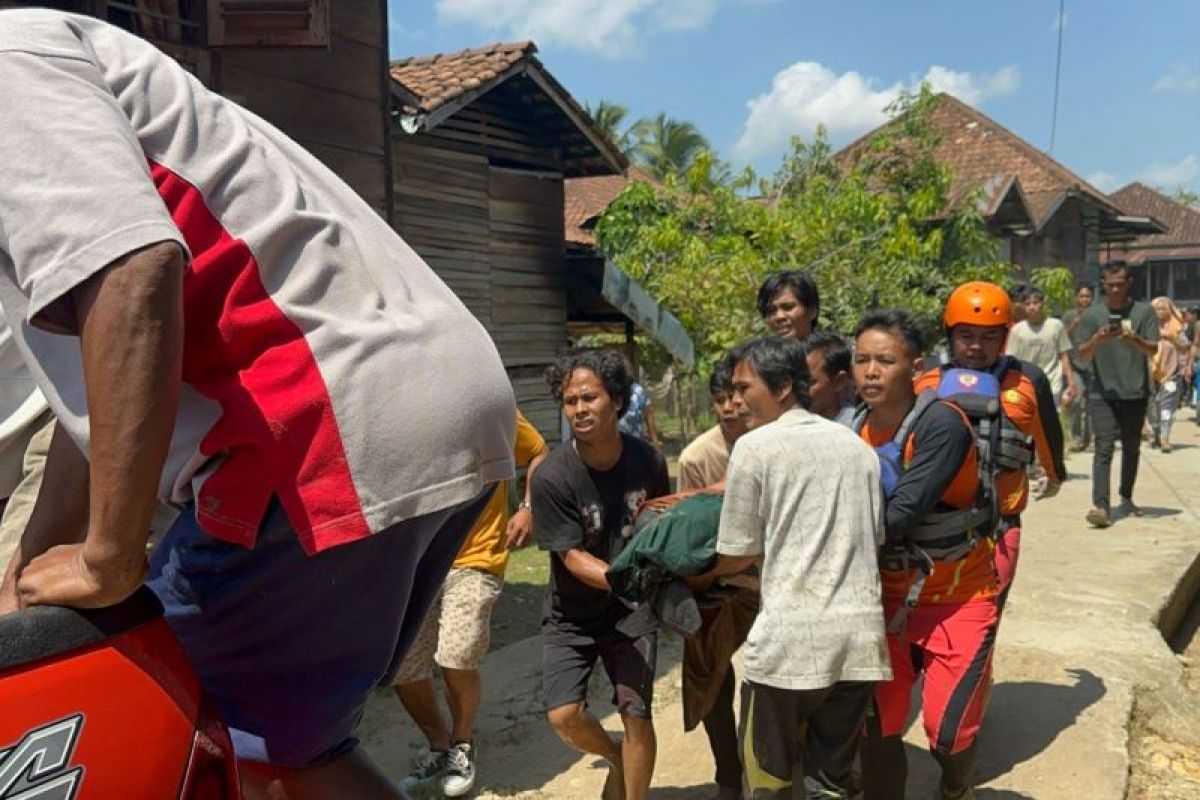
x=924, y=565
x=941, y=525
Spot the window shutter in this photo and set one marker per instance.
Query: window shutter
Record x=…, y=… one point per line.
x=268, y=23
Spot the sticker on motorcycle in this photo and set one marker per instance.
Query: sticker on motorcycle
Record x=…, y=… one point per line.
x=35, y=768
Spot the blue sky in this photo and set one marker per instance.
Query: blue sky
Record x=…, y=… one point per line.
x=750, y=73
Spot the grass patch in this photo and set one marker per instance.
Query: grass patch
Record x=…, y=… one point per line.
x=528, y=565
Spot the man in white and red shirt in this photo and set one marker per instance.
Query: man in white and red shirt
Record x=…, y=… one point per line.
x=211, y=312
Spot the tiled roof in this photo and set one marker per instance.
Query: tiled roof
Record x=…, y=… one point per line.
x=440, y=78
x=984, y=153
x=429, y=90
x=587, y=198
x=1182, y=239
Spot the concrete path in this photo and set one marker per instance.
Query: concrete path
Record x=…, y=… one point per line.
x=1079, y=634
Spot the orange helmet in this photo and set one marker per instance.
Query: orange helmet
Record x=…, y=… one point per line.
x=977, y=303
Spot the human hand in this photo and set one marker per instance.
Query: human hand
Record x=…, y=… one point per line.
x=520, y=528
x=1129, y=336
x=62, y=576
x=1069, y=394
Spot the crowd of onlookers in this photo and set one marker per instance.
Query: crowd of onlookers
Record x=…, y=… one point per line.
x=218, y=325
x=853, y=520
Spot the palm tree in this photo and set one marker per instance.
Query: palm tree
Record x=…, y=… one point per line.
x=665, y=145
x=608, y=118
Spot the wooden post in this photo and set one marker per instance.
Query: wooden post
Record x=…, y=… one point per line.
x=630, y=345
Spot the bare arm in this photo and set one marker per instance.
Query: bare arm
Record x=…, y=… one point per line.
x=586, y=567
x=130, y=323
x=1072, y=389
x=651, y=429
x=726, y=565
x=1131, y=338
x=520, y=525
x=59, y=515
x=1088, y=348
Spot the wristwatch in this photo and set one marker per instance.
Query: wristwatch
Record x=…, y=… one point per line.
x=525, y=505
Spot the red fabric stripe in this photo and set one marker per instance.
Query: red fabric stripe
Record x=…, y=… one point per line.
x=277, y=426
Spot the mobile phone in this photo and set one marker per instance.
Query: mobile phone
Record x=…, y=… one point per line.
x=1114, y=322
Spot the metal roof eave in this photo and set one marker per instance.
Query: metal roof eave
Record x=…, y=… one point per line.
x=631, y=299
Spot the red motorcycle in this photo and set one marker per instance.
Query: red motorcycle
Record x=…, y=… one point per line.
x=100, y=705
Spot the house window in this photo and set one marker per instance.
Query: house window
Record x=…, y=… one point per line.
x=266, y=23
x=175, y=22
x=1185, y=281
x=174, y=26
x=1160, y=278
x=1139, y=289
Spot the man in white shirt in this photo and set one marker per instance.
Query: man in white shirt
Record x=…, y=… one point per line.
x=803, y=498
x=703, y=462
x=218, y=322
x=1044, y=343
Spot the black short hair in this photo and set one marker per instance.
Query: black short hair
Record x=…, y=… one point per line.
x=1080, y=287
x=721, y=379
x=1110, y=267
x=1018, y=292
x=835, y=353
x=801, y=284
x=1035, y=293
x=779, y=362
x=609, y=366
x=894, y=320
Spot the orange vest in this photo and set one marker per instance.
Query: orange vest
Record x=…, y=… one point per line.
x=971, y=577
x=1018, y=399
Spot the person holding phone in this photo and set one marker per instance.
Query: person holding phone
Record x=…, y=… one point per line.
x=1118, y=338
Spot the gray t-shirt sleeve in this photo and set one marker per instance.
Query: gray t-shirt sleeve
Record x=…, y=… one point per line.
x=1063, y=342
x=75, y=188
x=742, y=525
x=1148, y=326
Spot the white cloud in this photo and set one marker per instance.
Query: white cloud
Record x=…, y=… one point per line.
x=1179, y=79
x=1104, y=181
x=808, y=94
x=610, y=28
x=1185, y=172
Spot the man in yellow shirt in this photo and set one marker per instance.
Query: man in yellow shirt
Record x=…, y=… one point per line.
x=456, y=631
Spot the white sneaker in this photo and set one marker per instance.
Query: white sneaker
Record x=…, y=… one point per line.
x=460, y=770
x=430, y=766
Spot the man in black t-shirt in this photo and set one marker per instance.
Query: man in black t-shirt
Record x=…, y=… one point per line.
x=585, y=498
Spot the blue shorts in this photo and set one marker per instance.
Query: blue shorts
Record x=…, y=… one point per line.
x=288, y=647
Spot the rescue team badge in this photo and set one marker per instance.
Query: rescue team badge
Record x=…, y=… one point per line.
x=36, y=766
x=1012, y=396
x=967, y=380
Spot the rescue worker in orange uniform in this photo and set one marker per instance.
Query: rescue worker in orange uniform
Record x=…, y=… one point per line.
x=977, y=319
x=939, y=586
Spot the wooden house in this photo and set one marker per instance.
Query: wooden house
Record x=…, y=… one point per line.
x=1163, y=264
x=316, y=69
x=483, y=142
x=601, y=298
x=1042, y=213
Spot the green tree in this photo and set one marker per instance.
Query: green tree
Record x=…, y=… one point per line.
x=1185, y=196
x=874, y=226
x=663, y=145
x=609, y=118
x=1058, y=283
